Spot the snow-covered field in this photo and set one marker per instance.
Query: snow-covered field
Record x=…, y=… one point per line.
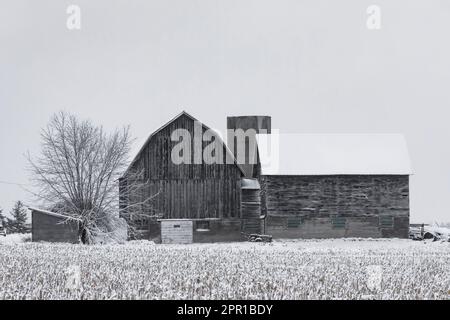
x=15, y=238
x=314, y=269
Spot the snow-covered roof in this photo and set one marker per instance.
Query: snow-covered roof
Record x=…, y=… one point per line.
x=54, y=214
x=250, y=184
x=332, y=154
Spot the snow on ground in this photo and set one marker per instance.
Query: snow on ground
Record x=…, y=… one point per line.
x=15, y=238
x=444, y=232
x=289, y=269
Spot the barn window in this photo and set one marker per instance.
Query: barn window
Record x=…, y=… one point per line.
x=386, y=222
x=202, y=225
x=338, y=222
x=294, y=222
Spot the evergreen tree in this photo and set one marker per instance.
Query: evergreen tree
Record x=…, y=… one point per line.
x=2, y=219
x=19, y=218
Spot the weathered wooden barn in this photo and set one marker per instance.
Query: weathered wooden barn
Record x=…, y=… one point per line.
x=335, y=185
x=209, y=194
x=314, y=186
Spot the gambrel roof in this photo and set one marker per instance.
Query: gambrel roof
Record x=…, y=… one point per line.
x=183, y=113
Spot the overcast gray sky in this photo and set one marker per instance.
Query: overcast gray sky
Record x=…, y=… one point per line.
x=314, y=66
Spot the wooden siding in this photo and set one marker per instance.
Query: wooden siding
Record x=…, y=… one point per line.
x=336, y=206
x=186, y=190
x=155, y=157
x=52, y=229
x=195, y=198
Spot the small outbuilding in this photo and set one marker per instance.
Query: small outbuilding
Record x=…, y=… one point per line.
x=53, y=227
x=176, y=231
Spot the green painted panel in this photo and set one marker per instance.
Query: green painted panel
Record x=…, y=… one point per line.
x=386, y=221
x=294, y=222
x=338, y=222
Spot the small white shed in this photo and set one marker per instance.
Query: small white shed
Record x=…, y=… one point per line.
x=179, y=231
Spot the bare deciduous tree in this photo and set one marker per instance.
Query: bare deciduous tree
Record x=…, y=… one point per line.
x=137, y=201
x=78, y=169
